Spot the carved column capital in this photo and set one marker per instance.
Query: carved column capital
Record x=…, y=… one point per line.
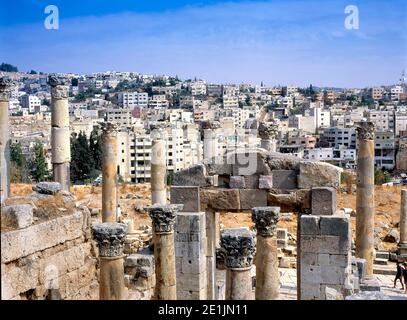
x=59, y=87
x=6, y=87
x=163, y=217
x=239, y=247
x=110, y=237
x=108, y=129
x=265, y=220
x=365, y=130
x=267, y=130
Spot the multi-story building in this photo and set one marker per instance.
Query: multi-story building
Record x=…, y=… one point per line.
x=395, y=92
x=29, y=102
x=400, y=123
x=382, y=119
x=133, y=99
x=376, y=93
x=123, y=117
x=384, y=150
x=158, y=101
x=339, y=138
x=197, y=88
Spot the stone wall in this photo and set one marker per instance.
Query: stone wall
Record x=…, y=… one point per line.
x=47, y=252
x=325, y=253
x=242, y=180
x=140, y=275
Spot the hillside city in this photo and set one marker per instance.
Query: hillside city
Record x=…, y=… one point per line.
x=312, y=123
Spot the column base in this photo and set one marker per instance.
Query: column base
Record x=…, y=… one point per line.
x=370, y=284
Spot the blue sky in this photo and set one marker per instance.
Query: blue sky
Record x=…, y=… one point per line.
x=278, y=42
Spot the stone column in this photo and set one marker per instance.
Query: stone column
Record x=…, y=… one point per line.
x=210, y=142
x=6, y=86
x=158, y=167
x=365, y=195
x=239, y=247
x=163, y=219
x=267, y=133
x=109, y=172
x=403, y=225
x=212, y=225
x=60, y=136
x=266, y=259
x=110, y=237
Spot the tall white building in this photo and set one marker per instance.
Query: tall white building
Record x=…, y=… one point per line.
x=133, y=99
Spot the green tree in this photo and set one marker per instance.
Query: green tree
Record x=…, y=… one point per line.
x=95, y=146
x=8, y=67
x=381, y=176
x=39, y=171
x=82, y=162
x=16, y=154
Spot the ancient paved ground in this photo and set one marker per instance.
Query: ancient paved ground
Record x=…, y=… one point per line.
x=289, y=285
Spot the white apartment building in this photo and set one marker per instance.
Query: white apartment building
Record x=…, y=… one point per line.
x=122, y=117
x=133, y=99
x=400, y=123
x=198, y=88
x=383, y=120
x=338, y=138
x=384, y=150
x=30, y=102
x=230, y=102
x=230, y=90
x=180, y=115
x=158, y=101
x=134, y=156
x=305, y=123
x=395, y=92
x=322, y=117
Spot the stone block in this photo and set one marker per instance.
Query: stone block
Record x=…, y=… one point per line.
x=190, y=223
x=318, y=174
x=188, y=196
x=237, y=182
x=49, y=188
x=23, y=242
x=220, y=199
x=310, y=225
x=193, y=176
x=19, y=216
x=139, y=260
x=323, y=201
x=310, y=274
x=323, y=244
x=223, y=181
x=284, y=179
x=333, y=275
x=309, y=258
x=335, y=226
x=248, y=162
x=218, y=166
x=340, y=260
x=250, y=198
x=360, y=265
x=265, y=182
x=310, y=291
x=251, y=182
x=323, y=259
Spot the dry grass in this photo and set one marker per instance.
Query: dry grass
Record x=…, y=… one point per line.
x=20, y=189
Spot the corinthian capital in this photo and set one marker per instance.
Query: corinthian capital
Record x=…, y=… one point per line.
x=268, y=130
x=110, y=237
x=239, y=247
x=59, y=87
x=365, y=130
x=108, y=129
x=265, y=220
x=163, y=217
x=6, y=87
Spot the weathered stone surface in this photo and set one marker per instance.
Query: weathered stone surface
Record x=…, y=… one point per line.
x=19, y=216
x=220, y=199
x=163, y=217
x=239, y=247
x=193, y=176
x=280, y=161
x=110, y=237
x=265, y=220
x=265, y=182
x=20, y=243
x=310, y=225
x=332, y=294
x=218, y=166
x=324, y=244
x=251, y=182
x=335, y=226
x=237, y=182
x=284, y=179
x=47, y=187
x=248, y=162
x=323, y=201
x=295, y=201
x=250, y=198
x=188, y=196
x=393, y=236
x=318, y=174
